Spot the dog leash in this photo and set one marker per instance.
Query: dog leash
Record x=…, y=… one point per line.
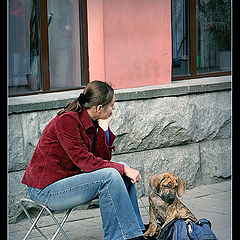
x=147, y=209
x=149, y=213
x=157, y=193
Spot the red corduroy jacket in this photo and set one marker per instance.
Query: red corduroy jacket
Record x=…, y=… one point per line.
x=70, y=144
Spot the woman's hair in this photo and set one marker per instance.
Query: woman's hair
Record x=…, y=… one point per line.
x=94, y=94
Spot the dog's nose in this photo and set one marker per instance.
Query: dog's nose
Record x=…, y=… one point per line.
x=171, y=197
x=168, y=198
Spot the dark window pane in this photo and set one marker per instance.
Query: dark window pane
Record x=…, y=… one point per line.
x=64, y=44
x=213, y=36
x=180, y=38
x=24, y=73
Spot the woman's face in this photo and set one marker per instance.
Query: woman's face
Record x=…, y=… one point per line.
x=106, y=111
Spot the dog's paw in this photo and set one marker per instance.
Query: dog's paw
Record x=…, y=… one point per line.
x=149, y=234
x=151, y=238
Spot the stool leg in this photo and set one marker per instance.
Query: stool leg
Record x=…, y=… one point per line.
x=34, y=225
x=60, y=225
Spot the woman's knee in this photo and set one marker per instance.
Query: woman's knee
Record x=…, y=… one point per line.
x=113, y=176
x=112, y=173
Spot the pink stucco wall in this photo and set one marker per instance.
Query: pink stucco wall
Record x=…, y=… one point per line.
x=131, y=40
x=95, y=39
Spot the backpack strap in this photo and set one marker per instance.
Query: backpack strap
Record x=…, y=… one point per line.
x=203, y=221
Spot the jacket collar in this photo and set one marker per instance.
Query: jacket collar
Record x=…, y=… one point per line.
x=85, y=119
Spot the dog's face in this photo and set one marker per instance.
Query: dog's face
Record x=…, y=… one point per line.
x=167, y=185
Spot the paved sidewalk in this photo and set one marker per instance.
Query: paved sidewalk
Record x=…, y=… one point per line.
x=208, y=201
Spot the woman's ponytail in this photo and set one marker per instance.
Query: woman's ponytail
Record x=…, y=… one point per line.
x=74, y=105
x=95, y=93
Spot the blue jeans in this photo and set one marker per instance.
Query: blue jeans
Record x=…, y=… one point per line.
x=120, y=214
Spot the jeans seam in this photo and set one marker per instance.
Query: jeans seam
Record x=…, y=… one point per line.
x=76, y=187
x=115, y=212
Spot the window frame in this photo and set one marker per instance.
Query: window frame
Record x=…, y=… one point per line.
x=44, y=49
x=193, y=49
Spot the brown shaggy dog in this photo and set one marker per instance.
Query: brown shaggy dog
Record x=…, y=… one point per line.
x=164, y=205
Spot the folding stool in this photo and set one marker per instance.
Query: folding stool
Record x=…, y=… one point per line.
x=34, y=223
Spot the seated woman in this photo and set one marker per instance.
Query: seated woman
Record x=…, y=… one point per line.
x=71, y=164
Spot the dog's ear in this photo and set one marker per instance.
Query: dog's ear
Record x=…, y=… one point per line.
x=155, y=181
x=181, y=187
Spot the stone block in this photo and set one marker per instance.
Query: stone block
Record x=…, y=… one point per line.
x=181, y=160
x=44, y=117
x=136, y=161
x=170, y=121
x=215, y=160
x=149, y=124
x=24, y=132
x=15, y=143
x=30, y=134
x=212, y=116
x=16, y=191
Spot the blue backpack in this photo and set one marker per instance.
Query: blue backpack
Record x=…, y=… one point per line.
x=177, y=229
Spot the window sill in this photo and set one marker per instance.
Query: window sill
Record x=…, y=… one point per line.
x=58, y=100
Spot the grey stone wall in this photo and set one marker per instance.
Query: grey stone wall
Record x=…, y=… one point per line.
x=186, y=131
x=188, y=135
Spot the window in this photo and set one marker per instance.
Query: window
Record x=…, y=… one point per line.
x=201, y=38
x=180, y=38
x=45, y=39
x=23, y=47
x=213, y=35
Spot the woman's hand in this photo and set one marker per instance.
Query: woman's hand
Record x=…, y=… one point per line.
x=103, y=123
x=133, y=174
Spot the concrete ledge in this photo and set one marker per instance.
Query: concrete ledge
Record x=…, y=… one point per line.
x=57, y=100
x=176, y=88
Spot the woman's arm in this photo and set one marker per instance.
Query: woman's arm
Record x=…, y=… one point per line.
x=104, y=139
x=102, y=148
x=68, y=134
x=133, y=174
